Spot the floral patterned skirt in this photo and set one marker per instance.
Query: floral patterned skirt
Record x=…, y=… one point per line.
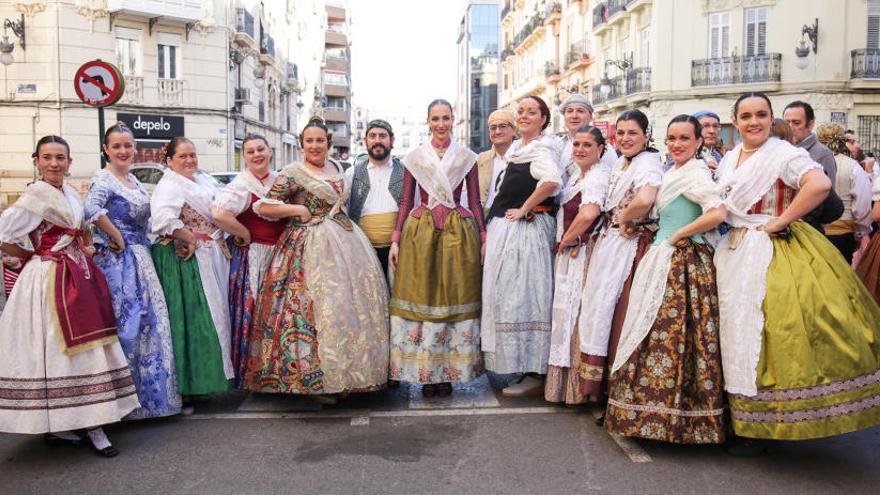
x=670, y=389
x=321, y=318
x=435, y=306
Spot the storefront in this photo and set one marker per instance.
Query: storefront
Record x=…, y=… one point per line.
x=151, y=133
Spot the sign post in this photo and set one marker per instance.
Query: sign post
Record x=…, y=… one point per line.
x=99, y=84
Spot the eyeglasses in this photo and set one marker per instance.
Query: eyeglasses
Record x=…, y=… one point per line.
x=499, y=127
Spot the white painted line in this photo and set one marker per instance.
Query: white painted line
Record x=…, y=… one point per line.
x=631, y=448
x=406, y=413
x=627, y=445
x=360, y=421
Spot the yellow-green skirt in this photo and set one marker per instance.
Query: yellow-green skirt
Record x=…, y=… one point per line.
x=438, y=271
x=819, y=370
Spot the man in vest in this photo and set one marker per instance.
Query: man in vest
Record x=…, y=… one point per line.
x=376, y=184
x=490, y=163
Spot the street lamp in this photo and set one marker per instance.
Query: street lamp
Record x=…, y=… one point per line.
x=6, y=46
x=259, y=76
x=622, y=65
x=802, y=51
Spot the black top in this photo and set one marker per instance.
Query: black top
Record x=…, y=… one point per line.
x=516, y=187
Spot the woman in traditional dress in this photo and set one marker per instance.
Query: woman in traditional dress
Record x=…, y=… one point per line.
x=192, y=261
x=321, y=317
x=625, y=237
x=800, y=335
x=436, y=253
x=62, y=367
x=253, y=240
x=120, y=209
x=518, y=273
x=868, y=267
x=582, y=201
x=577, y=111
x=666, y=377
x=853, y=185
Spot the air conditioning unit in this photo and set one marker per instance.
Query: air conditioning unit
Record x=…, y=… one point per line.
x=242, y=95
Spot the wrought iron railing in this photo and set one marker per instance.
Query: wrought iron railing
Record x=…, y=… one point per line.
x=736, y=70
x=600, y=15
x=865, y=63
x=551, y=69
x=638, y=80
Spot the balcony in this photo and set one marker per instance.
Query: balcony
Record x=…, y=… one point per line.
x=331, y=89
x=616, y=6
x=171, y=92
x=865, y=64
x=134, y=90
x=174, y=10
x=638, y=81
x=507, y=52
x=578, y=55
x=267, y=49
x=335, y=38
x=536, y=23
x=335, y=114
x=553, y=13
x=736, y=70
x=551, y=71
x=292, y=71
x=336, y=63
x=244, y=28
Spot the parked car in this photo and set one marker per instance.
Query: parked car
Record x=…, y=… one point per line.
x=224, y=177
x=149, y=174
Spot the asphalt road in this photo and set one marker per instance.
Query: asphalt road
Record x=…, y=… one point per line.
x=396, y=442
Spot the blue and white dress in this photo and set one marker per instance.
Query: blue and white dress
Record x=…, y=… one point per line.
x=138, y=300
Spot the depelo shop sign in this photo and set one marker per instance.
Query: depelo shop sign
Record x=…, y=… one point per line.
x=144, y=126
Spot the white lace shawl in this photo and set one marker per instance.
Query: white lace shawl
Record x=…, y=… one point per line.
x=172, y=191
x=42, y=201
x=236, y=196
x=646, y=169
x=741, y=266
x=694, y=182
x=439, y=177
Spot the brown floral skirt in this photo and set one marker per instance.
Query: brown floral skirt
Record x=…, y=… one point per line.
x=671, y=387
x=562, y=384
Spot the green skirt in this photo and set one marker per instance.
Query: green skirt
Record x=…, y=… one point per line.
x=819, y=369
x=197, y=353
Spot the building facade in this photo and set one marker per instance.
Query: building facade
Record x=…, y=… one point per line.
x=211, y=70
x=337, y=78
x=478, y=72
x=668, y=57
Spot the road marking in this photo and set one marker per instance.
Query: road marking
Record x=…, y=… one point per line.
x=627, y=445
x=405, y=413
x=360, y=421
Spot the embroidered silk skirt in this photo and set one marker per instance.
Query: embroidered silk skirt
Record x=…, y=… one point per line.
x=143, y=327
x=819, y=369
x=247, y=268
x=321, y=318
x=42, y=389
x=670, y=388
x=198, y=351
x=518, y=294
x=435, y=302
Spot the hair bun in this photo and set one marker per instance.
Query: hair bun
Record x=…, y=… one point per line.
x=317, y=120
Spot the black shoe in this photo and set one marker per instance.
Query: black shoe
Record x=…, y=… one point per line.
x=429, y=390
x=109, y=451
x=444, y=389
x=746, y=447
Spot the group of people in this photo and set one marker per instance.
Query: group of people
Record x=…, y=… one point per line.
x=688, y=294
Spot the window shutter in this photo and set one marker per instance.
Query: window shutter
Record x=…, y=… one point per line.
x=725, y=34
x=873, y=25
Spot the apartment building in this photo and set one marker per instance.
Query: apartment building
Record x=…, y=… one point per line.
x=337, y=78
x=479, y=37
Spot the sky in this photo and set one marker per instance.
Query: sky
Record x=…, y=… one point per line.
x=403, y=52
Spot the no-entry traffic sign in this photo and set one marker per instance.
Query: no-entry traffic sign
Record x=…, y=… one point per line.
x=98, y=83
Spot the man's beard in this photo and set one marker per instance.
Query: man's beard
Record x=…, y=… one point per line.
x=380, y=154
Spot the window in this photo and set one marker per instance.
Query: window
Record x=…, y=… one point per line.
x=168, y=55
x=645, y=59
x=873, y=25
x=336, y=103
x=756, y=31
x=128, y=51
x=719, y=35
x=335, y=79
